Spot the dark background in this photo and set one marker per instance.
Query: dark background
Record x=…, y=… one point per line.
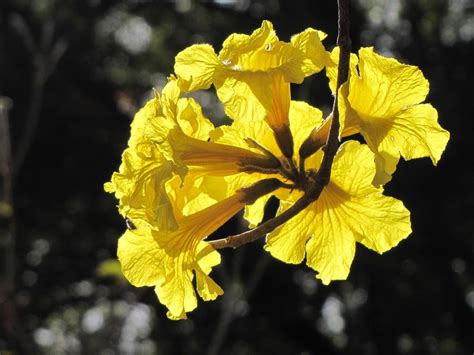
x=77, y=71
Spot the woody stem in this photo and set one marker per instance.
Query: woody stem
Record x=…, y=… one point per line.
x=344, y=43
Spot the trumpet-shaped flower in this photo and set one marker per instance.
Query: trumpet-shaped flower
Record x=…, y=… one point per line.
x=169, y=260
x=214, y=158
x=183, y=136
x=349, y=210
x=385, y=105
x=250, y=70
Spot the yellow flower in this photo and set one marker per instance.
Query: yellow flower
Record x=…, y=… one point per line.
x=182, y=134
x=385, y=104
x=169, y=260
x=250, y=70
x=349, y=210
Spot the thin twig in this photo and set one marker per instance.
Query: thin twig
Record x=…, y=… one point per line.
x=32, y=115
x=45, y=56
x=257, y=274
x=232, y=297
x=344, y=43
x=315, y=184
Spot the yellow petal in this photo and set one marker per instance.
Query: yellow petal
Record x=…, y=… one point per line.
x=192, y=121
x=145, y=116
x=195, y=67
x=177, y=294
x=312, y=55
x=140, y=258
x=169, y=98
x=166, y=112
x=354, y=169
x=207, y=288
x=303, y=118
x=331, y=249
x=198, y=203
x=237, y=46
x=385, y=86
x=386, y=165
x=216, y=187
x=185, y=113
x=207, y=259
x=418, y=134
x=254, y=213
x=140, y=187
x=353, y=209
x=288, y=242
x=309, y=130
x=349, y=119
x=245, y=95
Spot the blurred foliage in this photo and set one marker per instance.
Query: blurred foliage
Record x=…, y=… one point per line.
x=416, y=299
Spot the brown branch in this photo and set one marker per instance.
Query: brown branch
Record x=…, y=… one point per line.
x=315, y=182
x=235, y=241
x=344, y=43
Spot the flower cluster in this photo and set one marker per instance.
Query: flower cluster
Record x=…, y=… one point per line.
x=181, y=178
